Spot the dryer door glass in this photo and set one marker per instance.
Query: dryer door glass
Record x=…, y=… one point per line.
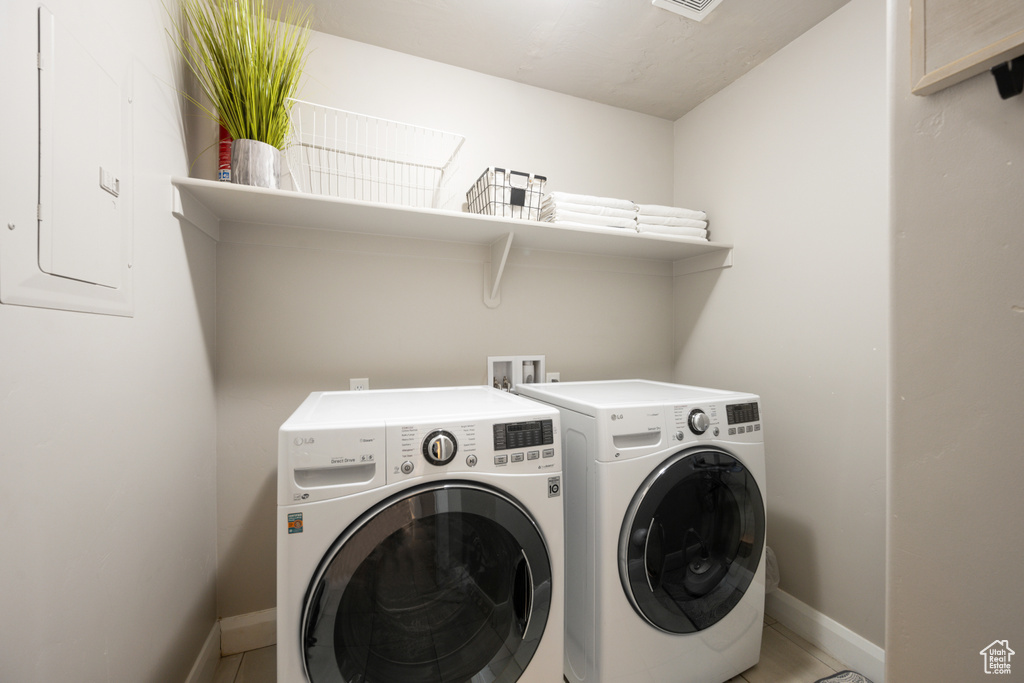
x=443, y=583
x=691, y=540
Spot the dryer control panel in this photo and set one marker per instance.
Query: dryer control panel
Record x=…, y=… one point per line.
x=743, y=418
x=704, y=421
x=635, y=431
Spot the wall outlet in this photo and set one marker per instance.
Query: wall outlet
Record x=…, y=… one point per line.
x=360, y=384
x=553, y=377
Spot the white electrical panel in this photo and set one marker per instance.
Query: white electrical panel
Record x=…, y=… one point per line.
x=79, y=159
x=77, y=256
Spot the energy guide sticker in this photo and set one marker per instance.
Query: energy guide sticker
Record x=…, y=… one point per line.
x=295, y=522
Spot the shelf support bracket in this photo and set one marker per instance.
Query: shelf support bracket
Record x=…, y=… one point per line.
x=698, y=264
x=500, y=249
x=1010, y=77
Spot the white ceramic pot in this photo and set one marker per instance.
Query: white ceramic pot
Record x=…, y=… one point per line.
x=255, y=163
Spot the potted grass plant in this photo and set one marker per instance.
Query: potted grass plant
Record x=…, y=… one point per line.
x=248, y=64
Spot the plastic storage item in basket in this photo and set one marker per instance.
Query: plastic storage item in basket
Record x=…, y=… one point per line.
x=339, y=153
x=512, y=194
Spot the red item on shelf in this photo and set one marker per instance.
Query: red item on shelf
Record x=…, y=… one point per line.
x=224, y=169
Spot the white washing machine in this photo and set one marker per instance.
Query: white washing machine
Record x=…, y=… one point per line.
x=420, y=539
x=665, y=530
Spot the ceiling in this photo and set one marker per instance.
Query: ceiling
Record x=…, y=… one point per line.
x=625, y=53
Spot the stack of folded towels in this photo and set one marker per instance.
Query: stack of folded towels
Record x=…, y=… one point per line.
x=586, y=211
x=581, y=210
x=671, y=220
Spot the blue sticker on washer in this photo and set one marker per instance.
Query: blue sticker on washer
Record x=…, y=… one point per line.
x=295, y=522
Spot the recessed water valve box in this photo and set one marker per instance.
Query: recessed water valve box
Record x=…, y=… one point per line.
x=508, y=372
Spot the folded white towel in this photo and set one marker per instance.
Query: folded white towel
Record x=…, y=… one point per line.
x=675, y=211
x=672, y=230
x=588, y=218
x=592, y=227
x=549, y=204
x=674, y=222
x=594, y=201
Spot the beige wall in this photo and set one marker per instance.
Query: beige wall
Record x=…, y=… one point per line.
x=580, y=146
x=956, y=541
x=303, y=310
x=107, y=424
x=791, y=161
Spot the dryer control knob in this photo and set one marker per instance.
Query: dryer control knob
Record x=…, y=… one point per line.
x=699, y=421
x=439, y=447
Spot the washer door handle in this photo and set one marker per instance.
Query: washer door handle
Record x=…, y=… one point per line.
x=654, y=551
x=522, y=593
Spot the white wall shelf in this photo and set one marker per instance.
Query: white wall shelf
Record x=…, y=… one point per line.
x=206, y=204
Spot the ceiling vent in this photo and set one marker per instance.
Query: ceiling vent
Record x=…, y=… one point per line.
x=691, y=9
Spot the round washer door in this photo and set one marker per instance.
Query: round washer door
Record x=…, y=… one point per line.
x=691, y=540
x=444, y=583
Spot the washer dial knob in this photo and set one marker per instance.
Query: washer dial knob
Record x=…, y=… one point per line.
x=439, y=447
x=699, y=421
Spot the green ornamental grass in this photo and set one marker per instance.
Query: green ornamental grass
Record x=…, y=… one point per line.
x=248, y=64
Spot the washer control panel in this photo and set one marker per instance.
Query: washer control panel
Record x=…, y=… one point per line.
x=523, y=434
x=520, y=447
x=439, y=447
x=338, y=443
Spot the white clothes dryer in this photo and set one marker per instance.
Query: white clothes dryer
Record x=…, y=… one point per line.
x=665, y=530
x=420, y=539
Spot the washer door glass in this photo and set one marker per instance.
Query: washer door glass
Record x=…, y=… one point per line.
x=443, y=584
x=691, y=540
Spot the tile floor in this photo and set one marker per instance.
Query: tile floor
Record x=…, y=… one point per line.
x=788, y=658
x=254, y=666
x=785, y=658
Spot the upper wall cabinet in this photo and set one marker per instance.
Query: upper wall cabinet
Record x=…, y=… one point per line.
x=952, y=40
x=76, y=254
x=206, y=203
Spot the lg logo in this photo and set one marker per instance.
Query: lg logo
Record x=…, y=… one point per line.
x=616, y=417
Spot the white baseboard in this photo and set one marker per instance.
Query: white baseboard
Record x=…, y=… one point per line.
x=858, y=653
x=209, y=656
x=248, y=632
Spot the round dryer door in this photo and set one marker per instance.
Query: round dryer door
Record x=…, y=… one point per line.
x=448, y=582
x=691, y=540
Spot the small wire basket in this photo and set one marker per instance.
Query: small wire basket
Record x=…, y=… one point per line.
x=512, y=194
x=338, y=153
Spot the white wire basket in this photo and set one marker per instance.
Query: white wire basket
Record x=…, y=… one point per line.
x=339, y=153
